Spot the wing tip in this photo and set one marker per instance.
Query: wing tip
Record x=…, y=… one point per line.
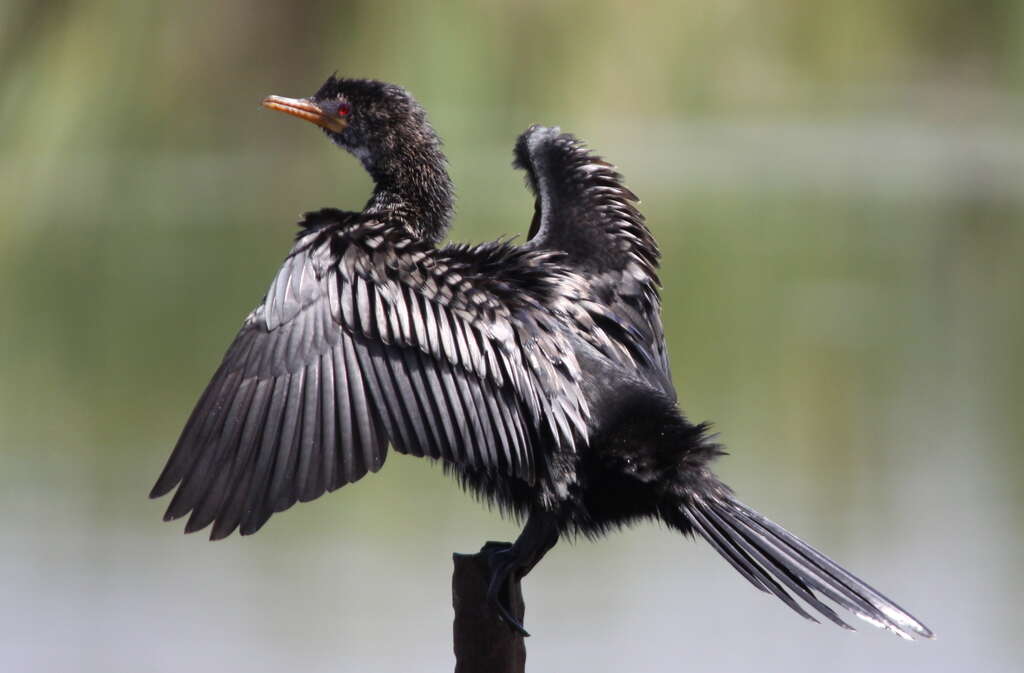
x=172, y=516
x=529, y=140
x=163, y=486
x=216, y=535
x=193, y=525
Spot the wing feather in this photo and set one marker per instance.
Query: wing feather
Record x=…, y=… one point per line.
x=584, y=211
x=329, y=421
x=370, y=340
x=309, y=476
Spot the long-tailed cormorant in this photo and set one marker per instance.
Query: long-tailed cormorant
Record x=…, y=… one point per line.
x=537, y=373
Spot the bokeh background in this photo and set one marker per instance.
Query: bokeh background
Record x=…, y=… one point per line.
x=838, y=190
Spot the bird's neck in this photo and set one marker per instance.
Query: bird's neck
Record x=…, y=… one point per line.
x=413, y=186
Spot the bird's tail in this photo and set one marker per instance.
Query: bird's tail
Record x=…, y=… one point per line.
x=778, y=562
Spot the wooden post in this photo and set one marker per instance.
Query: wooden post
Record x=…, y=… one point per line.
x=484, y=643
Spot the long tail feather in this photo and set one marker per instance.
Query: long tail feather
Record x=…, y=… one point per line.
x=777, y=562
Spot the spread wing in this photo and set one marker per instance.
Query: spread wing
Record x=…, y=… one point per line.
x=366, y=338
x=584, y=211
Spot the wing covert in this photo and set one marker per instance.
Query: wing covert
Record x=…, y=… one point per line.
x=367, y=337
x=584, y=210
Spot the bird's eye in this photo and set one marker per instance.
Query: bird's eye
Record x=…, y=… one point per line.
x=344, y=109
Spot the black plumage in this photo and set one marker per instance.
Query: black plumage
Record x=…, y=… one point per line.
x=536, y=373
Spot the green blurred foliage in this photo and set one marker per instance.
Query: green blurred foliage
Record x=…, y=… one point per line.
x=836, y=186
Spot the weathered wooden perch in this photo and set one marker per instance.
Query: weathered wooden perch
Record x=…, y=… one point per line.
x=484, y=643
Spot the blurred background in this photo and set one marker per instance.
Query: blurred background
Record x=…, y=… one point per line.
x=838, y=190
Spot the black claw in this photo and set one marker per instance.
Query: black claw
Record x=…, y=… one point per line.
x=505, y=615
x=512, y=622
x=503, y=564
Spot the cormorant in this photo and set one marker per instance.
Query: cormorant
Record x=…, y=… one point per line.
x=537, y=373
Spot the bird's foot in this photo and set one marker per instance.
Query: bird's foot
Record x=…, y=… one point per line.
x=504, y=563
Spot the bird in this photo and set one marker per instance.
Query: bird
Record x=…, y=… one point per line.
x=537, y=373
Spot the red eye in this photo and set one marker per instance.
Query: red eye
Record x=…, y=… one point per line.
x=344, y=109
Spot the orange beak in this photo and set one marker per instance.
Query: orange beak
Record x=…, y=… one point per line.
x=304, y=108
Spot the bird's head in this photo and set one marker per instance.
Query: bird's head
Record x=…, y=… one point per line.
x=375, y=121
